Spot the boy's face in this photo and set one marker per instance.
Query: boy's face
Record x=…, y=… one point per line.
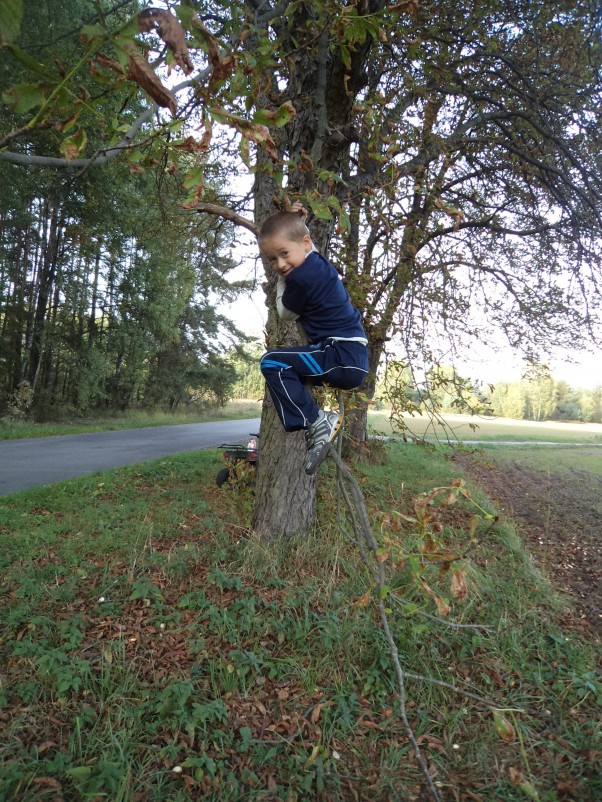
x=285, y=254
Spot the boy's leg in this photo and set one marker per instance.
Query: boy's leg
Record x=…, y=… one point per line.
x=343, y=364
x=286, y=371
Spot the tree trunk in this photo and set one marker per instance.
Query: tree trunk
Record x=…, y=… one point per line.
x=285, y=499
x=356, y=420
x=322, y=90
x=45, y=290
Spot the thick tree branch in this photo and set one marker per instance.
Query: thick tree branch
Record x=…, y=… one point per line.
x=99, y=158
x=227, y=214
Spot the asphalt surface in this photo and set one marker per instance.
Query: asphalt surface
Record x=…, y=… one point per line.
x=36, y=461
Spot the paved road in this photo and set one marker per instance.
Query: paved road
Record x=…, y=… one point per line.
x=36, y=461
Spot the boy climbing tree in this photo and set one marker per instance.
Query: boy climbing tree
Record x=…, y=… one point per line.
x=310, y=291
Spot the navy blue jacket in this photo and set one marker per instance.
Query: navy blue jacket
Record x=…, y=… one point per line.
x=315, y=292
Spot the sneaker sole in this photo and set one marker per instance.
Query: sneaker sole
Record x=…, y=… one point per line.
x=310, y=469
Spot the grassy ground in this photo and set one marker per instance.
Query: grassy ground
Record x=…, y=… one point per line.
x=234, y=410
x=151, y=651
x=460, y=427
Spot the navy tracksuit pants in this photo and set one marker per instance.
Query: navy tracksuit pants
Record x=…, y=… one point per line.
x=289, y=373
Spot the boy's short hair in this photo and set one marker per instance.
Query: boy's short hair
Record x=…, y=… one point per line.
x=284, y=224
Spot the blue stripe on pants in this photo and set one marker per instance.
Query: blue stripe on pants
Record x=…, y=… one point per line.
x=287, y=372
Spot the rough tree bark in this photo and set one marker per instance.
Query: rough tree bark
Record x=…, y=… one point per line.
x=285, y=499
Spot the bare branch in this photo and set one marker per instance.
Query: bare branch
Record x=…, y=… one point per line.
x=227, y=214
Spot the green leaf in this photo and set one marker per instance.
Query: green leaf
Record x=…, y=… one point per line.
x=79, y=772
x=93, y=31
x=344, y=221
x=185, y=15
x=278, y=118
x=23, y=97
x=245, y=154
x=27, y=61
x=345, y=56
x=246, y=736
x=320, y=209
x=193, y=178
x=11, y=15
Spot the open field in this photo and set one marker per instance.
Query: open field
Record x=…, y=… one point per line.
x=151, y=650
x=459, y=427
x=555, y=497
x=456, y=427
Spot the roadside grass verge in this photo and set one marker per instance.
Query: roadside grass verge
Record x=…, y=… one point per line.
x=133, y=419
x=153, y=650
x=458, y=427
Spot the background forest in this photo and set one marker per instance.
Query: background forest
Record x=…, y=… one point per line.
x=108, y=297
x=108, y=289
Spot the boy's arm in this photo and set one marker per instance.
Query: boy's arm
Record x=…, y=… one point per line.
x=283, y=312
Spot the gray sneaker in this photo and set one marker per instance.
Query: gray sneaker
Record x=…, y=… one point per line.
x=319, y=436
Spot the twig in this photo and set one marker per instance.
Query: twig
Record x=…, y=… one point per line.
x=439, y=620
x=455, y=688
x=361, y=521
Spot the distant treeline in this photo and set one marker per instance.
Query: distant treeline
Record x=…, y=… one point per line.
x=547, y=399
x=538, y=396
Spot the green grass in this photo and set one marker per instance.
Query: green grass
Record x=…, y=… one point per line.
x=152, y=650
x=137, y=419
x=459, y=427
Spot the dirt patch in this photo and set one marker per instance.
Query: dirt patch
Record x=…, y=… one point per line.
x=559, y=519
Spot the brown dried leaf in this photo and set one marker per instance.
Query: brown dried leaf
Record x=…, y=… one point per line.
x=365, y=600
x=170, y=30
x=189, y=145
x=104, y=61
x=223, y=69
x=210, y=40
x=253, y=131
x=261, y=135
x=140, y=71
x=43, y=747
x=49, y=782
x=459, y=588
x=505, y=730
x=134, y=167
x=443, y=607
x=516, y=776
x=206, y=138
